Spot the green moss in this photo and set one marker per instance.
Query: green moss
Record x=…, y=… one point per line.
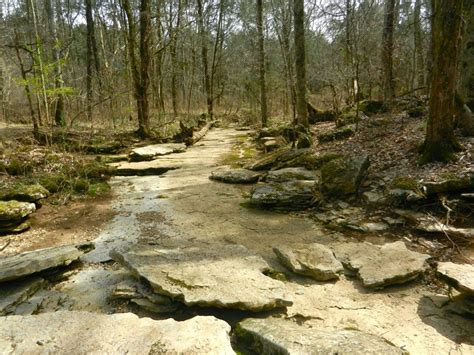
x=53, y=182
x=98, y=189
x=19, y=167
x=404, y=183
x=80, y=185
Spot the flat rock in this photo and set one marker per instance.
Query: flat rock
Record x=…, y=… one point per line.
x=313, y=260
x=457, y=183
x=459, y=276
x=68, y=332
x=16, y=266
x=146, y=168
x=280, y=336
x=226, y=276
x=16, y=292
x=12, y=211
x=343, y=176
x=235, y=176
x=151, y=152
x=292, y=195
x=383, y=266
x=279, y=157
x=290, y=174
x=15, y=227
x=25, y=193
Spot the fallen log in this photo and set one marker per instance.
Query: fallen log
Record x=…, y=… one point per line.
x=196, y=137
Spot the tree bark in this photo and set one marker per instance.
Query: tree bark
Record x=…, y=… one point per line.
x=467, y=61
x=205, y=60
x=300, y=62
x=418, y=41
x=388, y=81
x=440, y=142
x=261, y=62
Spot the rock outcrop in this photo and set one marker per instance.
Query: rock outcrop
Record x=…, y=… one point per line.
x=16, y=266
x=343, y=176
x=381, y=266
x=290, y=174
x=280, y=336
x=459, y=276
x=25, y=193
x=14, y=214
x=154, y=151
x=313, y=260
x=125, y=333
x=292, y=195
x=235, y=176
x=226, y=276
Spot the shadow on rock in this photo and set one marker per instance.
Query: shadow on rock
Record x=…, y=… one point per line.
x=435, y=312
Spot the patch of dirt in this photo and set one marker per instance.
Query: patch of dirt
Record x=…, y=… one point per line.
x=79, y=221
x=392, y=142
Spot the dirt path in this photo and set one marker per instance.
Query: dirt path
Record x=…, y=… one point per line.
x=183, y=205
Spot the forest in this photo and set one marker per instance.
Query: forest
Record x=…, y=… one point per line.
x=237, y=176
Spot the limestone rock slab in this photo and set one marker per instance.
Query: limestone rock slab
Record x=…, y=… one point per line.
x=70, y=332
x=280, y=336
x=226, y=276
x=235, y=176
x=459, y=276
x=289, y=174
x=381, y=266
x=15, y=266
x=151, y=152
x=146, y=168
x=13, y=293
x=313, y=260
x=293, y=195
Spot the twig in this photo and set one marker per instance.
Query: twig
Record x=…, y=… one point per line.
x=5, y=246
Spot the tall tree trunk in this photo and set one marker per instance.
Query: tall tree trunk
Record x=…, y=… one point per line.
x=89, y=57
x=300, y=62
x=418, y=41
x=388, y=80
x=204, y=55
x=261, y=62
x=467, y=59
x=145, y=63
x=173, y=55
x=440, y=142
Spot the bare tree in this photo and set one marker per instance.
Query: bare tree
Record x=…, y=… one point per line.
x=261, y=63
x=300, y=63
x=387, y=51
x=440, y=142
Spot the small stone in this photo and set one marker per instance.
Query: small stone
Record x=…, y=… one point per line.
x=313, y=260
x=459, y=276
x=154, y=307
x=235, y=176
x=374, y=226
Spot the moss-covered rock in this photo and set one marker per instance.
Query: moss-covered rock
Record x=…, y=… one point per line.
x=24, y=193
x=372, y=107
x=337, y=134
x=343, y=176
x=11, y=211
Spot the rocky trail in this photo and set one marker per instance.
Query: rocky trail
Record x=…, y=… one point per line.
x=190, y=265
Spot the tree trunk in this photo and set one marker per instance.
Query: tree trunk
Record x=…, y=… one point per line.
x=145, y=61
x=173, y=55
x=388, y=81
x=300, y=62
x=467, y=61
x=261, y=62
x=440, y=142
x=89, y=57
x=204, y=55
x=418, y=41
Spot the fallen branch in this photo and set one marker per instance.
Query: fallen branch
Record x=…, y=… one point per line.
x=200, y=134
x=5, y=246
